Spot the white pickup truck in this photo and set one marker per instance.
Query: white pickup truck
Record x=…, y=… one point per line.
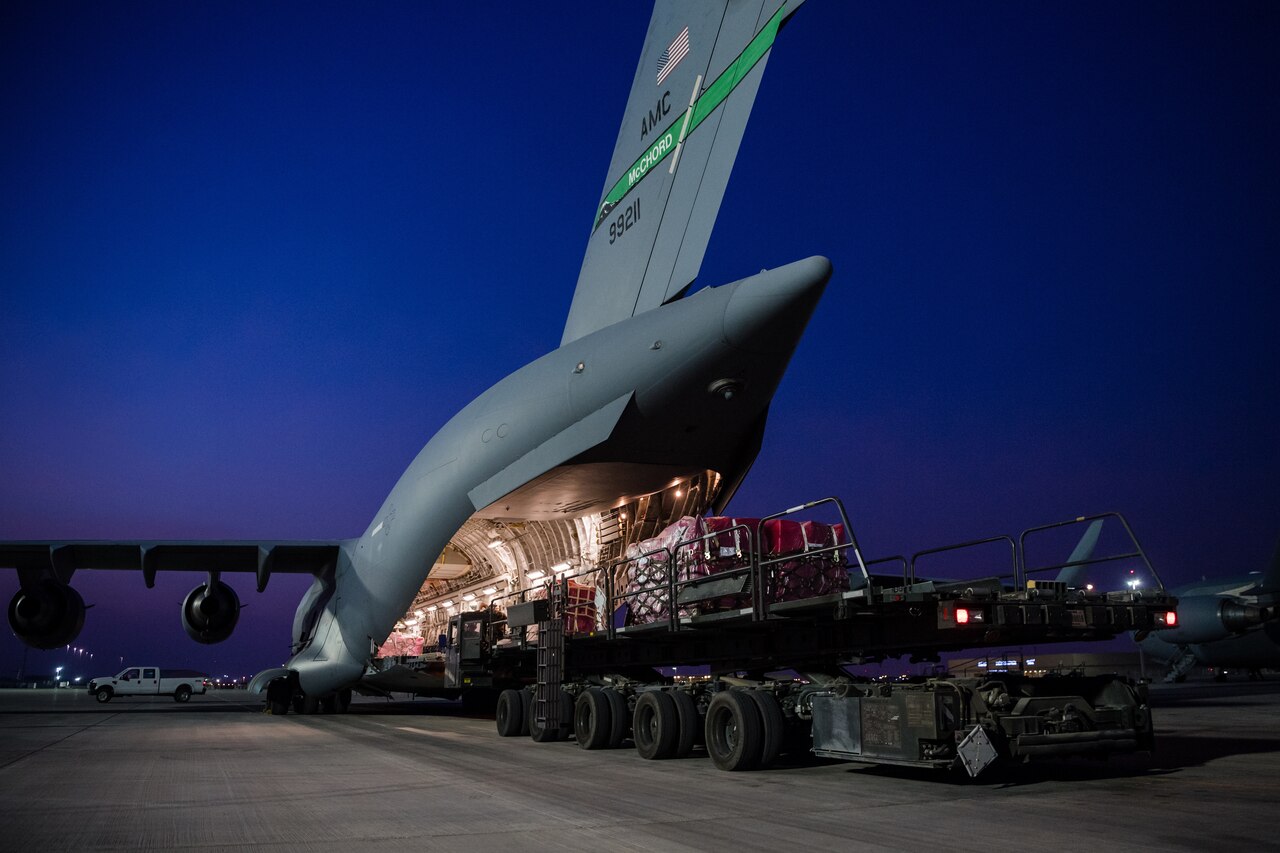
x=149, y=681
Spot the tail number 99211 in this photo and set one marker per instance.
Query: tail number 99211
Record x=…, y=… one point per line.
x=624, y=220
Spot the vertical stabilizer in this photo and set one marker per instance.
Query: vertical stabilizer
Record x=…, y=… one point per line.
x=692, y=95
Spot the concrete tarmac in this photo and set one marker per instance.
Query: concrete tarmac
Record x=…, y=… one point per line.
x=216, y=774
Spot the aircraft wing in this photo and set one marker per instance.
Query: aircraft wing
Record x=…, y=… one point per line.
x=692, y=95
x=63, y=557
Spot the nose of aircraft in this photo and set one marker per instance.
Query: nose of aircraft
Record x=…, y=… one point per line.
x=768, y=312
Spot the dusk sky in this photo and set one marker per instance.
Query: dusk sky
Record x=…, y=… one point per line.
x=252, y=256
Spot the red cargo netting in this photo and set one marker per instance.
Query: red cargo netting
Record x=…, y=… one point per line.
x=644, y=577
x=398, y=645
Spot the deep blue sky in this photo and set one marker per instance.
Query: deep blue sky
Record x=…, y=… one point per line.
x=253, y=255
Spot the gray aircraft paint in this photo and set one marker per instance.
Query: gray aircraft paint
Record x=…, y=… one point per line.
x=634, y=393
x=1254, y=646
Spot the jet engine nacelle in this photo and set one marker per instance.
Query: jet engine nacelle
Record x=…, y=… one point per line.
x=210, y=612
x=47, y=615
x=1206, y=618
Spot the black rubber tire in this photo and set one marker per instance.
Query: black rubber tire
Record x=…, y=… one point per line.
x=509, y=714
x=526, y=708
x=277, y=708
x=689, y=721
x=733, y=731
x=773, y=726
x=182, y=694
x=296, y=703
x=343, y=702
x=310, y=705
x=329, y=704
x=619, y=717
x=655, y=725
x=103, y=695
x=541, y=735
x=592, y=719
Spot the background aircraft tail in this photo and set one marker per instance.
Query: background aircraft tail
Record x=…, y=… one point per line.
x=693, y=91
x=1077, y=564
x=1271, y=578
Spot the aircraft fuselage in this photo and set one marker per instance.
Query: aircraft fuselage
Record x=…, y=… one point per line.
x=683, y=387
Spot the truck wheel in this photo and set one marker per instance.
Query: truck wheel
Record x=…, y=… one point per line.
x=510, y=713
x=592, y=719
x=773, y=726
x=526, y=710
x=619, y=717
x=182, y=694
x=689, y=722
x=733, y=731
x=103, y=695
x=655, y=725
x=546, y=735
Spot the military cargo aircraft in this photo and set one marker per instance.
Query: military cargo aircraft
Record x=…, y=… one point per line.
x=655, y=395
x=1223, y=623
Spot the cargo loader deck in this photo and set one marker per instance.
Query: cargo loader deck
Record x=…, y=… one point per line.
x=591, y=654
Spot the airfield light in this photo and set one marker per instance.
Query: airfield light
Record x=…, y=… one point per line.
x=1089, y=587
x=468, y=596
x=962, y=616
x=536, y=575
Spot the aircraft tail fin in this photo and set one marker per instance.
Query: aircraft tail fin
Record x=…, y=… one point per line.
x=1271, y=578
x=1074, y=573
x=699, y=72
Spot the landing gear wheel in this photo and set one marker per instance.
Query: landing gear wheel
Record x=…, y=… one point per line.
x=734, y=739
x=103, y=695
x=182, y=694
x=689, y=722
x=773, y=726
x=279, y=694
x=309, y=705
x=655, y=725
x=510, y=713
x=344, y=700
x=619, y=717
x=592, y=719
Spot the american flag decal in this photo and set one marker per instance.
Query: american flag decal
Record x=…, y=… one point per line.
x=670, y=58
